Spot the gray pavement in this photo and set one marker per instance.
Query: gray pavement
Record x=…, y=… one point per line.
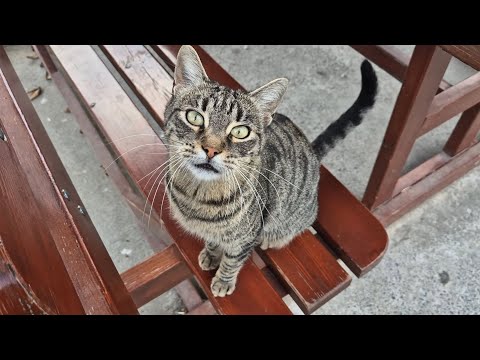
x=432, y=265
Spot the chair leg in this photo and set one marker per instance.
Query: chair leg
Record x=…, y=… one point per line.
x=465, y=131
x=424, y=74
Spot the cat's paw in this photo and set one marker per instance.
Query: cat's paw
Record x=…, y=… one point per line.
x=221, y=288
x=206, y=261
x=265, y=244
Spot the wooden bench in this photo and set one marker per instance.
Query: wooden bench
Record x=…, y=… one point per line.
x=308, y=269
x=425, y=102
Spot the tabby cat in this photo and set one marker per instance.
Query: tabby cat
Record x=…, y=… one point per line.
x=241, y=175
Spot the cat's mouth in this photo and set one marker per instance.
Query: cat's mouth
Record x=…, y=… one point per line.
x=208, y=167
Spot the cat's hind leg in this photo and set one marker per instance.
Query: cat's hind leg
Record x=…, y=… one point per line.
x=269, y=241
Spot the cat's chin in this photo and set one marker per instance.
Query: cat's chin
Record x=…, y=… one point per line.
x=204, y=174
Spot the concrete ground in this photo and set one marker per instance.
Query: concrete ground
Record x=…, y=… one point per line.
x=432, y=264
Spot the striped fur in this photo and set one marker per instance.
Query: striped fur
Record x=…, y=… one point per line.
x=264, y=188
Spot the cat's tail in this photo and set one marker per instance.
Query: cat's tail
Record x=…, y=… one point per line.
x=353, y=117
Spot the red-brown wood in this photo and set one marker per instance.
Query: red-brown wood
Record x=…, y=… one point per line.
x=150, y=82
x=452, y=102
x=154, y=276
x=420, y=172
x=96, y=85
x=469, y=54
x=15, y=296
x=388, y=57
x=392, y=60
x=308, y=270
x=53, y=250
x=465, y=133
x=357, y=236
x=274, y=281
x=430, y=184
x=424, y=74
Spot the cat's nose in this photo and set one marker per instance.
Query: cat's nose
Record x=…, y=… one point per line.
x=211, y=152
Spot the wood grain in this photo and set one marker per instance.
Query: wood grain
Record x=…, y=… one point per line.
x=465, y=132
x=348, y=227
x=308, y=270
x=149, y=81
x=155, y=275
x=430, y=184
x=469, y=54
x=452, y=102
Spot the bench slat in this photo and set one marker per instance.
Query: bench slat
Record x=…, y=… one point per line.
x=96, y=85
x=347, y=226
x=308, y=270
x=141, y=70
x=155, y=275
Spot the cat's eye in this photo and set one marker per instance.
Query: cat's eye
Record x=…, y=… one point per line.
x=194, y=118
x=240, y=132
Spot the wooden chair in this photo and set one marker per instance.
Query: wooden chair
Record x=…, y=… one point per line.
x=308, y=269
x=425, y=101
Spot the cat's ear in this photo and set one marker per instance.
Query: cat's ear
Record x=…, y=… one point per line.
x=268, y=97
x=189, y=70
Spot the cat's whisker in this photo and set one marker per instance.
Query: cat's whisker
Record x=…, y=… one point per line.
x=126, y=152
x=166, y=188
x=127, y=137
x=265, y=205
x=229, y=181
x=158, y=182
x=176, y=161
x=281, y=177
x=252, y=168
x=230, y=177
x=131, y=136
x=154, y=171
x=241, y=192
x=254, y=194
x=170, y=140
x=157, y=153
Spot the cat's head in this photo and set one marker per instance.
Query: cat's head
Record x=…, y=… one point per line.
x=213, y=129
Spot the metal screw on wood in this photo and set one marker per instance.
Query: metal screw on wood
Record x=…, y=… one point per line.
x=65, y=194
x=81, y=210
x=2, y=135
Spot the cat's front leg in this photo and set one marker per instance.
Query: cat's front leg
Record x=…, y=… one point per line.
x=209, y=258
x=232, y=261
